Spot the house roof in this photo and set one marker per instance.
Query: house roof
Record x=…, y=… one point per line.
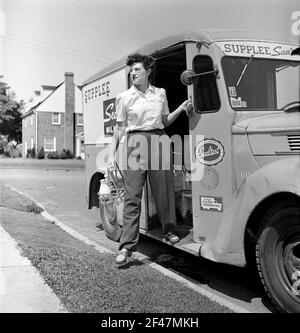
x=46, y=87
x=207, y=36
x=55, y=101
x=32, y=108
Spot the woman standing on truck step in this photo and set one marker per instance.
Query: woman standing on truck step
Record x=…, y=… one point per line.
x=142, y=111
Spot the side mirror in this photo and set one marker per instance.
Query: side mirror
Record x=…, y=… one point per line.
x=187, y=76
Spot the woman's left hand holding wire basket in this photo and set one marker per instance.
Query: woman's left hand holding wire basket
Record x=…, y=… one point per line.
x=112, y=188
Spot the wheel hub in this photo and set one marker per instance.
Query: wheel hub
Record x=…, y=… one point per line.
x=292, y=265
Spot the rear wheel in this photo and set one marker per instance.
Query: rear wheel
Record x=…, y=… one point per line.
x=111, y=219
x=278, y=255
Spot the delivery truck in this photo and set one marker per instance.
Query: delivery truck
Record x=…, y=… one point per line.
x=237, y=169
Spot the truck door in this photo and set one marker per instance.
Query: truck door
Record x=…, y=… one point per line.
x=210, y=139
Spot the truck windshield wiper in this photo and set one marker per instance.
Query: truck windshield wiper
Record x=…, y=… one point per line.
x=244, y=69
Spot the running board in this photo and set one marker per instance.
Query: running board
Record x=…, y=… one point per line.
x=190, y=247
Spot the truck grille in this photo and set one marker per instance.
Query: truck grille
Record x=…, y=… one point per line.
x=294, y=142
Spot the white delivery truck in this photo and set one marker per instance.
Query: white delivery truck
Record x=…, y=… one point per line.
x=243, y=138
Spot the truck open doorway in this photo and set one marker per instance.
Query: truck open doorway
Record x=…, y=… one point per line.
x=169, y=64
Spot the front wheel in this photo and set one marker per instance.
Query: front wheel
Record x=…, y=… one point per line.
x=278, y=255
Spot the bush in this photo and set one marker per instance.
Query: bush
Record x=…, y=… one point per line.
x=3, y=143
x=28, y=153
x=10, y=150
x=31, y=153
x=33, y=208
x=63, y=154
x=66, y=154
x=6, y=153
x=16, y=154
x=41, y=153
x=20, y=148
x=53, y=155
x=69, y=154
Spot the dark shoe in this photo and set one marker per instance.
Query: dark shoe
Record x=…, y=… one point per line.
x=122, y=256
x=171, y=238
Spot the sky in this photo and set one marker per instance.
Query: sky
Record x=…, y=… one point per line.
x=40, y=40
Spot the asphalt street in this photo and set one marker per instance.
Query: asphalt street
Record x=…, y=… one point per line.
x=62, y=193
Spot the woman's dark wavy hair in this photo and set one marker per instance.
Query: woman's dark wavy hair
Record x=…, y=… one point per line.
x=147, y=61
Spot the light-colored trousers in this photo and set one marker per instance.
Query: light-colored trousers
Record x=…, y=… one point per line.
x=162, y=188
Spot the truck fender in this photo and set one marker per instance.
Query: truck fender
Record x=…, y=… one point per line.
x=282, y=176
x=94, y=185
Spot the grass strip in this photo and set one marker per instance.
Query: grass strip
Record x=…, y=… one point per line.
x=13, y=200
x=41, y=164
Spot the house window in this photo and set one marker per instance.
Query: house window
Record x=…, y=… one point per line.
x=79, y=119
x=31, y=142
x=50, y=143
x=31, y=120
x=56, y=118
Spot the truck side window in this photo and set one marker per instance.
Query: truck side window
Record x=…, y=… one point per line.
x=205, y=87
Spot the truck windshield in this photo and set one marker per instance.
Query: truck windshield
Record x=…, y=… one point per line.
x=262, y=84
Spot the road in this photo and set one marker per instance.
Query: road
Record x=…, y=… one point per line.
x=62, y=193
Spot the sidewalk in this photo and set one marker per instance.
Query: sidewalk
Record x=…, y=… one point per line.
x=22, y=289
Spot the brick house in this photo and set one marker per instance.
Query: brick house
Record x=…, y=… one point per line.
x=54, y=119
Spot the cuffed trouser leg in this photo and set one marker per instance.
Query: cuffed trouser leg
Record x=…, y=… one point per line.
x=162, y=188
x=134, y=183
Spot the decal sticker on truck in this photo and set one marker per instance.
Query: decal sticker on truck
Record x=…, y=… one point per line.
x=109, y=116
x=209, y=151
x=237, y=102
x=232, y=91
x=211, y=203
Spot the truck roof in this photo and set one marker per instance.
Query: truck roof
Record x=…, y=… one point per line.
x=205, y=36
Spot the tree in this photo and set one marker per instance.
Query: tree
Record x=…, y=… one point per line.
x=10, y=114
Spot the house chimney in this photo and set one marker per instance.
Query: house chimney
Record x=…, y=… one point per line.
x=69, y=112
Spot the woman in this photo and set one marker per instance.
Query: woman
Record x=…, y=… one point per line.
x=142, y=111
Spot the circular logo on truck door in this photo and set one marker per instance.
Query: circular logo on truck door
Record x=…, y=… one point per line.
x=209, y=152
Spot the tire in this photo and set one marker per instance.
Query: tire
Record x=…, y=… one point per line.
x=278, y=255
x=111, y=219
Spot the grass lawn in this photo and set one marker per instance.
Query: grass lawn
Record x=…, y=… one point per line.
x=41, y=164
x=13, y=200
x=88, y=281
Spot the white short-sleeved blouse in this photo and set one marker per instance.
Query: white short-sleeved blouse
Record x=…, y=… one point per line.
x=142, y=111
